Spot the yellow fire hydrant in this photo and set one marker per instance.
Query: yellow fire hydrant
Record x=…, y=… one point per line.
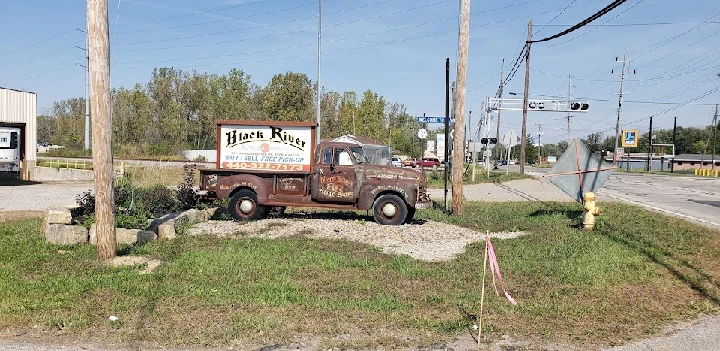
x=590, y=211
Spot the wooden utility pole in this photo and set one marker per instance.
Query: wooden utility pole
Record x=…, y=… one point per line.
x=523, y=136
x=459, y=156
x=99, y=46
x=714, y=135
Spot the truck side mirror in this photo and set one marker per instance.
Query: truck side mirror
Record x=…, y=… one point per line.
x=13, y=140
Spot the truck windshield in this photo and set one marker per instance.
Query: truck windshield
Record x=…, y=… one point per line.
x=359, y=154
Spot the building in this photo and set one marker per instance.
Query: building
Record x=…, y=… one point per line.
x=18, y=132
x=695, y=161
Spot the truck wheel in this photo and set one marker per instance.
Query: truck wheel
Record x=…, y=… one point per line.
x=390, y=210
x=244, y=206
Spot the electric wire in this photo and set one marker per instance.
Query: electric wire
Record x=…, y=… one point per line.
x=595, y=16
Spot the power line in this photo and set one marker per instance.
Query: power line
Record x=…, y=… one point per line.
x=329, y=41
x=595, y=16
x=228, y=19
x=302, y=30
x=38, y=42
x=554, y=18
x=596, y=27
x=195, y=14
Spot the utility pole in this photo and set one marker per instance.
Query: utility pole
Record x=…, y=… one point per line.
x=447, y=128
x=99, y=52
x=319, y=89
x=497, y=134
x=523, y=140
x=617, y=123
x=568, y=115
x=649, y=159
x=672, y=163
x=461, y=78
x=714, y=134
x=86, y=66
x=539, y=132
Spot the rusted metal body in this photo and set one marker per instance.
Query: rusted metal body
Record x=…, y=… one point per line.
x=337, y=176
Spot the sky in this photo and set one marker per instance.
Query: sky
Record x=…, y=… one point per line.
x=398, y=49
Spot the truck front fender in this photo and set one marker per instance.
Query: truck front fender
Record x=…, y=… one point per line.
x=369, y=192
x=228, y=185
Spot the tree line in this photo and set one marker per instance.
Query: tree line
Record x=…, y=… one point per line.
x=176, y=110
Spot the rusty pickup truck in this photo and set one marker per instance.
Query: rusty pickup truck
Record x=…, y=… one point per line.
x=265, y=166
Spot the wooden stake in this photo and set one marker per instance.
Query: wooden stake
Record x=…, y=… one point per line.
x=482, y=293
x=99, y=51
x=459, y=145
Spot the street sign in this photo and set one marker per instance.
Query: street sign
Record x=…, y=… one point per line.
x=629, y=138
x=422, y=134
x=434, y=120
x=510, y=139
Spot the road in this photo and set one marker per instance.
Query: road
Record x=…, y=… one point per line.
x=695, y=199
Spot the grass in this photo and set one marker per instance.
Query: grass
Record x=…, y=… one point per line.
x=435, y=178
x=635, y=273
x=152, y=175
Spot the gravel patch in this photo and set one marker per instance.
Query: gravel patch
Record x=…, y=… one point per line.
x=428, y=241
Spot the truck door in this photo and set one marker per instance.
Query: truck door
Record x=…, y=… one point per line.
x=334, y=179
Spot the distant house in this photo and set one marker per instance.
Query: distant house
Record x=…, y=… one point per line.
x=694, y=161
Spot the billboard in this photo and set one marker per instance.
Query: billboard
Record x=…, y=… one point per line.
x=266, y=147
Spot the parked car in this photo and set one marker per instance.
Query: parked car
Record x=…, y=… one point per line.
x=396, y=162
x=409, y=162
x=427, y=163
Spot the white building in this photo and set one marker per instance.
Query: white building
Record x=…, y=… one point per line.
x=18, y=132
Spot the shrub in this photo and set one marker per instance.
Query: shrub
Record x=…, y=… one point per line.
x=186, y=189
x=158, y=199
x=86, y=203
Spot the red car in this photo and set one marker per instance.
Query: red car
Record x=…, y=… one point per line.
x=427, y=163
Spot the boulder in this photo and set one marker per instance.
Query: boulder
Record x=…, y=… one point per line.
x=166, y=231
x=63, y=234
x=132, y=236
x=58, y=216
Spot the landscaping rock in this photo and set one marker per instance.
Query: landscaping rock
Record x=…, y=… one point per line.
x=58, y=216
x=166, y=231
x=62, y=234
x=132, y=236
x=93, y=234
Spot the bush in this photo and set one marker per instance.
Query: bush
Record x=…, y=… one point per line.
x=158, y=200
x=200, y=158
x=186, y=189
x=86, y=203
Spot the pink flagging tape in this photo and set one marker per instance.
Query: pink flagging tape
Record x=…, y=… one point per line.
x=495, y=270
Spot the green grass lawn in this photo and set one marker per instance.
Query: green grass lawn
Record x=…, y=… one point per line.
x=637, y=272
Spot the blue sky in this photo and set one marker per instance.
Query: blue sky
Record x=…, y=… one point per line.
x=394, y=47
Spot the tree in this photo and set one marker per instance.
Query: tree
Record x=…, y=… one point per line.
x=45, y=127
x=289, y=97
x=371, y=113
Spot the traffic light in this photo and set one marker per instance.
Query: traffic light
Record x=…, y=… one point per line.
x=484, y=141
x=493, y=140
x=536, y=105
x=579, y=106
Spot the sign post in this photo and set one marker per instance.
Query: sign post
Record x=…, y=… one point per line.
x=630, y=138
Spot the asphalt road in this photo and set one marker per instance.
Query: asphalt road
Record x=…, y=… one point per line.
x=696, y=199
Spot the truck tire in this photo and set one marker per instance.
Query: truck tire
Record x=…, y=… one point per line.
x=390, y=210
x=244, y=206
